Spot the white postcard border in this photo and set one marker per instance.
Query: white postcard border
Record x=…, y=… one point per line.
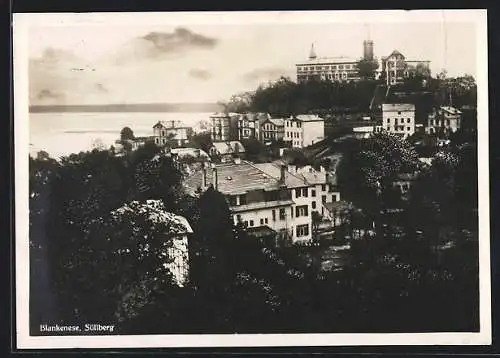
x=21, y=24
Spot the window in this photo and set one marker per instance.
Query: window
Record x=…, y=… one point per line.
x=313, y=205
x=305, y=193
x=399, y=113
x=251, y=222
x=291, y=213
x=334, y=197
x=302, y=230
x=408, y=120
x=323, y=187
x=265, y=220
x=232, y=200
x=388, y=120
x=245, y=223
x=297, y=193
x=313, y=193
x=282, y=214
x=323, y=199
x=262, y=221
x=301, y=211
x=408, y=129
x=243, y=199
x=402, y=120
x=274, y=215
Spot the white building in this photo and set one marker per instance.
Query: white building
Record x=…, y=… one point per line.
x=444, y=121
x=165, y=132
x=398, y=118
x=304, y=130
x=396, y=68
x=269, y=196
x=327, y=68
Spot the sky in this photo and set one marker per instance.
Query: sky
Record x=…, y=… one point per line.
x=209, y=58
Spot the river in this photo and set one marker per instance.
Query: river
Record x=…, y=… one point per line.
x=61, y=134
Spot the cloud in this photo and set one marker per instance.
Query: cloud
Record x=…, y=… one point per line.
x=179, y=39
x=161, y=45
x=200, y=74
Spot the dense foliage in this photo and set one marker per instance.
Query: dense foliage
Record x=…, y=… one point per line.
x=283, y=97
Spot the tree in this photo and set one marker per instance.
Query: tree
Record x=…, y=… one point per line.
x=202, y=141
x=367, y=68
x=121, y=265
x=126, y=134
x=83, y=188
x=239, y=103
x=370, y=166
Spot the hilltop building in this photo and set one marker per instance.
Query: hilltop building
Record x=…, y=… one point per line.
x=396, y=67
x=269, y=197
x=327, y=68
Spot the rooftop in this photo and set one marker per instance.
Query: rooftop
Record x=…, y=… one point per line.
x=231, y=147
x=308, y=117
x=278, y=122
x=274, y=171
x=234, y=179
x=328, y=60
x=451, y=110
x=398, y=107
x=237, y=179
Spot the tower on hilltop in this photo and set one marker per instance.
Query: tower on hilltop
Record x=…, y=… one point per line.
x=312, y=54
x=368, y=45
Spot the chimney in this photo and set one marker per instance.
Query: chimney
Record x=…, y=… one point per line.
x=214, y=177
x=283, y=174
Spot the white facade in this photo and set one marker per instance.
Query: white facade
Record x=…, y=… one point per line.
x=268, y=194
x=164, y=132
x=444, y=121
x=399, y=119
x=304, y=130
x=293, y=133
x=277, y=217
